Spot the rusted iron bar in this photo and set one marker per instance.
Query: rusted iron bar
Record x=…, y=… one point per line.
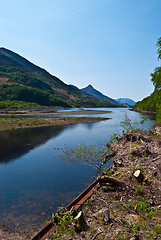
x=49, y=228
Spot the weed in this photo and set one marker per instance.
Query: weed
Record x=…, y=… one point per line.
x=63, y=221
x=113, y=138
x=158, y=229
x=132, y=126
x=88, y=205
x=123, y=237
x=139, y=190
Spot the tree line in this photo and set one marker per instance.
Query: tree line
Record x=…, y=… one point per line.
x=153, y=102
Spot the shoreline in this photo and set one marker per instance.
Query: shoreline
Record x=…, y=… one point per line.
x=142, y=111
x=127, y=203
x=23, y=113
x=33, y=122
x=132, y=147
x=30, y=119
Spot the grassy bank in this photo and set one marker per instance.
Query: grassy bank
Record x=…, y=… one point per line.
x=7, y=123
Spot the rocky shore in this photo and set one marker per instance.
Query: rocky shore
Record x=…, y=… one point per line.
x=127, y=204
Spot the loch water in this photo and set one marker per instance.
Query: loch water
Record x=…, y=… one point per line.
x=34, y=182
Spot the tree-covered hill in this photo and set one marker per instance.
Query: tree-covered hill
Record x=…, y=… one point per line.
x=21, y=80
x=153, y=102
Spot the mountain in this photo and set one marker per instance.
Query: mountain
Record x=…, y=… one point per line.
x=93, y=92
x=128, y=101
x=22, y=80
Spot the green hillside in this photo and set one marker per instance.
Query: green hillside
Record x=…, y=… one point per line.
x=152, y=103
x=21, y=80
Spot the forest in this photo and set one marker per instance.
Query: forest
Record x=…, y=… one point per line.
x=152, y=103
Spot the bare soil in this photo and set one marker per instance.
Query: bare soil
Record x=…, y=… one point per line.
x=126, y=207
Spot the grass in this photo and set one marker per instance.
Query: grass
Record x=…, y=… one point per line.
x=13, y=122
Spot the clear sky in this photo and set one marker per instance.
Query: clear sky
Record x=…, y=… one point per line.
x=110, y=44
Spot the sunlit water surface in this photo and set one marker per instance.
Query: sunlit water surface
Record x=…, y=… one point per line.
x=33, y=182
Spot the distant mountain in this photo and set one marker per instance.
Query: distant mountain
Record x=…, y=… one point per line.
x=128, y=101
x=93, y=92
x=22, y=80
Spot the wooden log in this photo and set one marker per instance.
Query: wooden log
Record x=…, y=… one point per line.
x=79, y=222
x=109, y=179
x=139, y=176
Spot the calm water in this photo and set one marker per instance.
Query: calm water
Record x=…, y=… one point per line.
x=33, y=182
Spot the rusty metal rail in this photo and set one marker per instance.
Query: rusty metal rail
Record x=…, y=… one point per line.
x=49, y=228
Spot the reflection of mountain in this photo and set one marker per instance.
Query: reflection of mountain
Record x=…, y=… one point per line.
x=15, y=143
x=90, y=125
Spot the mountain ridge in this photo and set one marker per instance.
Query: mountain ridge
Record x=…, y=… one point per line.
x=24, y=81
x=92, y=91
x=128, y=101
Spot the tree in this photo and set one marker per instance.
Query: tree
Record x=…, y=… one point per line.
x=159, y=48
x=156, y=78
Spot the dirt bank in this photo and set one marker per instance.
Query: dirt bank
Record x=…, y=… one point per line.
x=128, y=203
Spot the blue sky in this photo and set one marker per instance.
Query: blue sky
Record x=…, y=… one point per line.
x=110, y=44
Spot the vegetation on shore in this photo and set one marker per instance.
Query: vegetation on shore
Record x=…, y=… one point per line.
x=21, y=80
x=152, y=103
x=8, y=104
x=126, y=206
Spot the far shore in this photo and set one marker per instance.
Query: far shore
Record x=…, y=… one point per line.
x=142, y=111
x=4, y=113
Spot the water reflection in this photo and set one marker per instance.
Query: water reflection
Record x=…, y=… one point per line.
x=33, y=181
x=14, y=143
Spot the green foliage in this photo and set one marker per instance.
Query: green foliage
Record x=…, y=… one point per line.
x=55, y=92
x=152, y=103
x=113, y=138
x=159, y=48
x=135, y=126
x=63, y=221
x=156, y=78
x=158, y=229
x=85, y=155
x=16, y=104
x=20, y=76
x=28, y=94
x=159, y=115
